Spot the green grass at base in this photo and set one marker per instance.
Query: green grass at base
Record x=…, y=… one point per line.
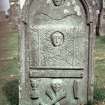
x=99, y=91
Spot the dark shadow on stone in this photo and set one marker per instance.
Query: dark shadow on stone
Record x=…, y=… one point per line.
x=98, y=26
x=12, y=92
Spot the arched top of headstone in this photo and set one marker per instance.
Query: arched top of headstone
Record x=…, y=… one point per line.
x=87, y=5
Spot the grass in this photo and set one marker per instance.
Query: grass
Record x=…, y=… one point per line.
x=9, y=73
x=99, y=91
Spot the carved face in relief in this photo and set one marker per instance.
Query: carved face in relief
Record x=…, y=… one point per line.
x=57, y=85
x=57, y=38
x=58, y=2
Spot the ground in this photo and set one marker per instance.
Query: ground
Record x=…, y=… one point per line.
x=8, y=64
x=9, y=72
x=99, y=95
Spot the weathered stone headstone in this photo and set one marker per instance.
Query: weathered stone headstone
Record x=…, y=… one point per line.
x=57, y=44
x=102, y=20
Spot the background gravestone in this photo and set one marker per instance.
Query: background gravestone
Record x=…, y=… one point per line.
x=102, y=20
x=57, y=44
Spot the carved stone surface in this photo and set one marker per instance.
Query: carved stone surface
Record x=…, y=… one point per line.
x=75, y=89
x=56, y=52
x=55, y=91
x=57, y=38
x=102, y=20
x=58, y=2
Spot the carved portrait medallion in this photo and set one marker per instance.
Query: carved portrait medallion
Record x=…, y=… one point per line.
x=57, y=38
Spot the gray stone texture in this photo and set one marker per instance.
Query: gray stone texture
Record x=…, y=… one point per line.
x=56, y=53
x=102, y=20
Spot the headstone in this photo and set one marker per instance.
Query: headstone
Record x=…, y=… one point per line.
x=102, y=20
x=57, y=44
